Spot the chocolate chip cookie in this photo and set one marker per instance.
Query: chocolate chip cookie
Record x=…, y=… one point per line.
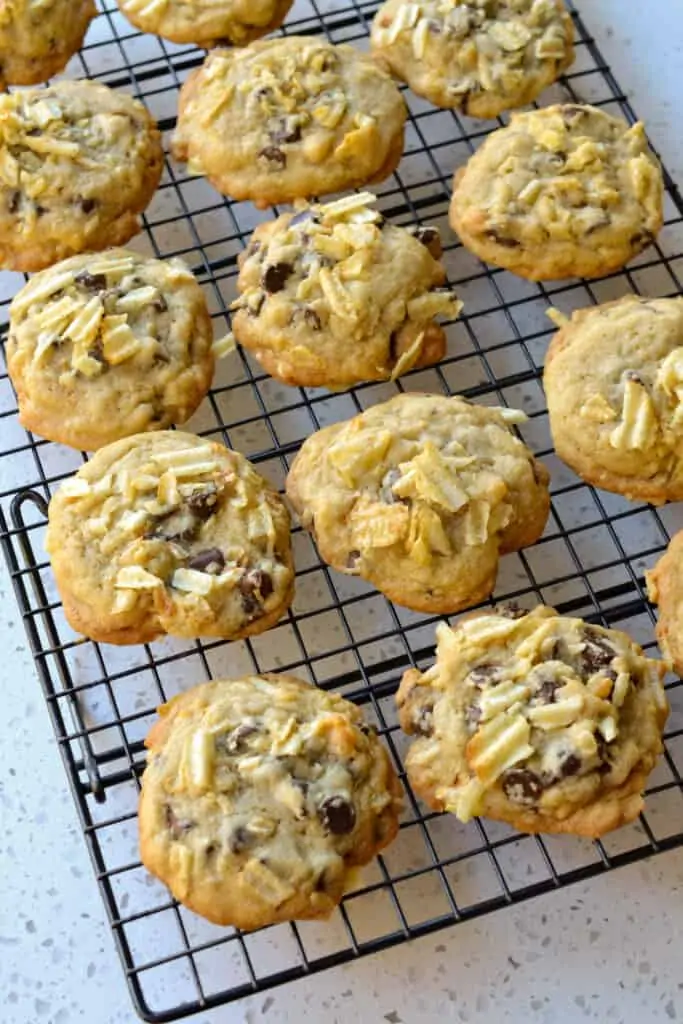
x=284, y=119
x=542, y=721
x=207, y=22
x=168, y=533
x=481, y=57
x=614, y=383
x=104, y=346
x=421, y=495
x=38, y=38
x=78, y=164
x=260, y=798
x=665, y=589
x=333, y=294
x=566, y=191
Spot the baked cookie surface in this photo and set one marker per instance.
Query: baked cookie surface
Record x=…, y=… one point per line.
x=333, y=295
x=38, y=38
x=665, y=589
x=614, y=383
x=290, y=118
x=107, y=345
x=207, y=22
x=478, y=57
x=78, y=164
x=542, y=721
x=565, y=191
x=168, y=533
x=260, y=797
x=420, y=496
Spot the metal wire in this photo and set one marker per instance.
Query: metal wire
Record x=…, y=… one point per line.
x=340, y=633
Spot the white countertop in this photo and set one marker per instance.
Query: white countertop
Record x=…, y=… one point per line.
x=606, y=950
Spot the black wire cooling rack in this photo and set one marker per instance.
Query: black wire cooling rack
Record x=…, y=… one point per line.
x=340, y=634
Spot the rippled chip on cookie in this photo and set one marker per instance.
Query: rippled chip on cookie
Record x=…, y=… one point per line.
x=565, y=191
x=286, y=119
x=421, y=495
x=539, y=720
x=333, y=295
x=261, y=798
x=168, y=533
x=107, y=345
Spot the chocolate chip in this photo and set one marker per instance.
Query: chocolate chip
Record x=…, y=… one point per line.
x=160, y=304
x=181, y=525
x=368, y=729
x=40, y=210
x=176, y=826
x=285, y=132
x=203, y=503
x=240, y=839
x=545, y=694
x=511, y=610
x=273, y=156
x=88, y=205
x=483, y=674
x=423, y=719
x=434, y=27
x=352, y=559
x=337, y=815
x=211, y=561
x=632, y=375
x=642, y=239
x=504, y=240
x=571, y=113
x=570, y=766
x=275, y=276
x=93, y=282
x=211, y=850
x=14, y=201
x=521, y=785
x=431, y=239
x=597, y=653
x=235, y=741
x=473, y=716
x=256, y=587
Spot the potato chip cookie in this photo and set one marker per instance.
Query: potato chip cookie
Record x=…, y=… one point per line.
x=665, y=589
x=333, y=295
x=421, y=495
x=168, y=533
x=565, y=191
x=614, y=383
x=104, y=346
x=207, y=22
x=542, y=721
x=290, y=118
x=481, y=57
x=261, y=798
x=78, y=164
x=38, y=38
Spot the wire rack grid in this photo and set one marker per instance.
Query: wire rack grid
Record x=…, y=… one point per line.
x=340, y=633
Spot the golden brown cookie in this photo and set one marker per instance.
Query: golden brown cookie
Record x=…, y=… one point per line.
x=565, y=191
x=421, y=495
x=107, y=345
x=207, y=22
x=78, y=164
x=261, y=797
x=481, y=58
x=333, y=295
x=38, y=38
x=286, y=119
x=614, y=383
x=665, y=589
x=168, y=533
x=542, y=721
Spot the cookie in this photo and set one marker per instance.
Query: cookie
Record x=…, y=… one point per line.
x=169, y=533
x=421, y=495
x=38, y=39
x=78, y=164
x=614, y=383
x=566, y=191
x=665, y=589
x=538, y=720
x=261, y=797
x=285, y=119
x=207, y=22
x=104, y=346
x=481, y=58
x=333, y=295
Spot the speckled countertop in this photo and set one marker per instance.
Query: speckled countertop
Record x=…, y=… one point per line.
x=607, y=950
